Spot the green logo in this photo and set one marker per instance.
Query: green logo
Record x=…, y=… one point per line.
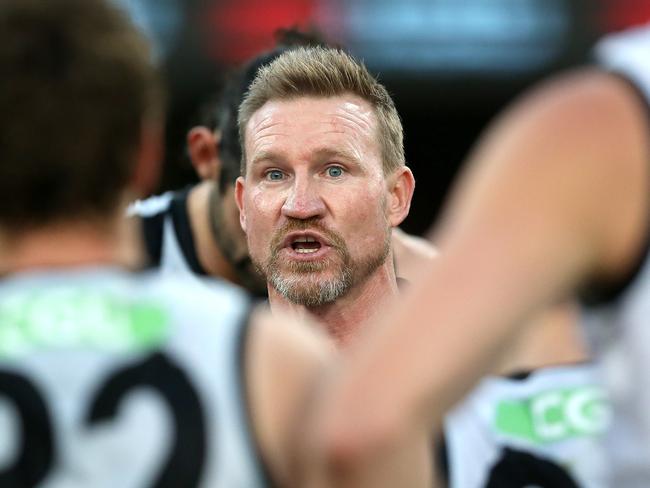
x=555, y=415
x=78, y=318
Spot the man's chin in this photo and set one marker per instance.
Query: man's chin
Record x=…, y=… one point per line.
x=327, y=267
x=311, y=277
x=309, y=290
x=309, y=297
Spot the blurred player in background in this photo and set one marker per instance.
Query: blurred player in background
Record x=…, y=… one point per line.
x=196, y=230
x=537, y=419
x=557, y=194
x=107, y=377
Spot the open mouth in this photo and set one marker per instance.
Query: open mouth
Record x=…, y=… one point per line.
x=305, y=245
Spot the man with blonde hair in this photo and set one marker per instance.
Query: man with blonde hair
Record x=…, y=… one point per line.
x=324, y=183
x=113, y=378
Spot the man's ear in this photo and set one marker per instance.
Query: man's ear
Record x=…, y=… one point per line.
x=202, y=147
x=401, y=185
x=148, y=158
x=239, y=198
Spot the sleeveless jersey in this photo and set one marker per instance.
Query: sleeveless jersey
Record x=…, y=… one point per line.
x=109, y=379
x=167, y=233
x=618, y=327
x=542, y=429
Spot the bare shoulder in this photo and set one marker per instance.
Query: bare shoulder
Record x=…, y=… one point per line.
x=298, y=339
x=413, y=245
x=583, y=102
x=581, y=138
x=607, y=122
x=411, y=253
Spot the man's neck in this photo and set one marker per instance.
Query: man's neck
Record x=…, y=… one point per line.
x=344, y=318
x=67, y=245
x=207, y=249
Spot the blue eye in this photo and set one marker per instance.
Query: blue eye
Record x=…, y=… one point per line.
x=334, y=171
x=274, y=175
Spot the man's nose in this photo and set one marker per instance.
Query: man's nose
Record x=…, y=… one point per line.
x=303, y=201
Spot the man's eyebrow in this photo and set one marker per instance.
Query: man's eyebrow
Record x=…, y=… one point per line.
x=269, y=156
x=345, y=156
x=323, y=153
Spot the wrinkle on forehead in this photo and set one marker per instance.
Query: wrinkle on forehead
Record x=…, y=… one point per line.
x=348, y=114
x=265, y=118
x=356, y=116
x=264, y=130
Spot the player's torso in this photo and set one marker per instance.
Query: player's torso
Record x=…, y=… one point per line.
x=541, y=430
x=108, y=380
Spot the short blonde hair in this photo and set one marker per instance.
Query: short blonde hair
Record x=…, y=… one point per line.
x=325, y=72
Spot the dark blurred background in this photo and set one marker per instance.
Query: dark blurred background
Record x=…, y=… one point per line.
x=449, y=64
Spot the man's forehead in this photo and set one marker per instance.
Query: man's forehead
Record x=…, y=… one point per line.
x=345, y=110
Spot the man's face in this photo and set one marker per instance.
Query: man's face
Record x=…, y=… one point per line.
x=313, y=201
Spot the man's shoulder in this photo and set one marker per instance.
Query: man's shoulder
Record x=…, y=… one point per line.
x=194, y=293
x=626, y=53
x=151, y=206
x=158, y=204
x=166, y=230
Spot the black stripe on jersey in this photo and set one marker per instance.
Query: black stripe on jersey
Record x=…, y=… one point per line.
x=183, y=230
x=152, y=231
x=153, y=227
x=241, y=381
x=520, y=375
x=441, y=458
x=605, y=293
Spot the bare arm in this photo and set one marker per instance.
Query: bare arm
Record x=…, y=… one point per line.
x=286, y=363
x=552, y=339
x=554, y=195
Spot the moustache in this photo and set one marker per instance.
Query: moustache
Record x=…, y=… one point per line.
x=333, y=239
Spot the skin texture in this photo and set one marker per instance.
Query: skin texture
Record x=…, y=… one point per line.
x=202, y=144
x=314, y=169
x=557, y=194
x=218, y=259
x=411, y=253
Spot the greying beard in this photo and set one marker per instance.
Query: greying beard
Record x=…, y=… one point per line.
x=299, y=286
x=315, y=294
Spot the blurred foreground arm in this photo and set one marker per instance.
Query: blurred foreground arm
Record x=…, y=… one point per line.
x=554, y=196
x=286, y=362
